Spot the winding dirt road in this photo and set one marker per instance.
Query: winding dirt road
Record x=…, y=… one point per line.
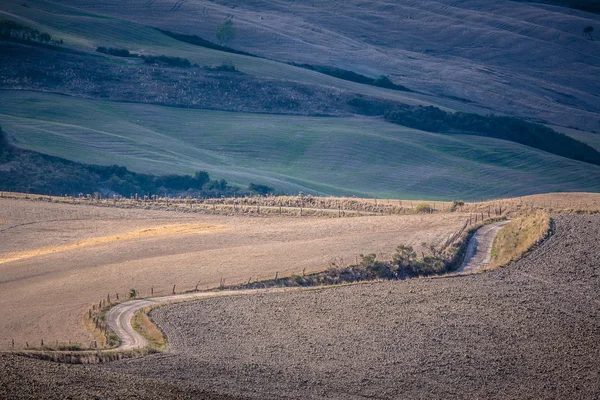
x=479, y=250
x=119, y=317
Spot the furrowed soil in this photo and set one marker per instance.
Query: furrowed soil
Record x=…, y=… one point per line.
x=529, y=330
x=56, y=260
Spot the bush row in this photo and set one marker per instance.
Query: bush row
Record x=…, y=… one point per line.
x=15, y=31
x=432, y=119
x=32, y=172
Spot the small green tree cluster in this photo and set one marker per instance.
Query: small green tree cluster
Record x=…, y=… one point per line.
x=29, y=171
x=115, y=52
x=382, y=81
x=13, y=30
x=260, y=189
x=225, y=32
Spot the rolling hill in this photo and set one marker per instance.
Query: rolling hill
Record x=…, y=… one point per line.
x=271, y=122
x=520, y=58
x=338, y=156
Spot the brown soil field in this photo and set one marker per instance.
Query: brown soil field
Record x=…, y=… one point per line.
x=58, y=259
x=25, y=378
x=529, y=330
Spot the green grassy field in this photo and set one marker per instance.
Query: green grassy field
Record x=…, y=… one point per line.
x=337, y=156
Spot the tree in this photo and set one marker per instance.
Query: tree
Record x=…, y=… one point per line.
x=225, y=32
x=404, y=259
x=587, y=32
x=260, y=189
x=201, y=178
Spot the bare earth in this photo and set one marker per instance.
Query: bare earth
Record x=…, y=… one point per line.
x=530, y=330
x=58, y=259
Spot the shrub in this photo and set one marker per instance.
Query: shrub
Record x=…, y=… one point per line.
x=382, y=81
x=13, y=30
x=167, y=60
x=423, y=208
x=225, y=32
x=260, y=189
x=198, y=41
x=225, y=67
x=456, y=204
x=115, y=52
x=132, y=293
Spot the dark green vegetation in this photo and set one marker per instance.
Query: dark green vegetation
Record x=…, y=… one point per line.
x=260, y=189
x=382, y=81
x=344, y=156
x=148, y=59
x=115, y=52
x=584, y=5
x=167, y=61
x=225, y=31
x=405, y=263
x=198, y=41
x=218, y=86
x=11, y=30
x=432, y=119
x=31, y=172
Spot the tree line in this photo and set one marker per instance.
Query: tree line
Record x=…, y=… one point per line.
x=32, y=172
x=11, y=30
x=432, y=119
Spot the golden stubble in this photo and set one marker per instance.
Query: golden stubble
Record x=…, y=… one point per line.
x=165, y=230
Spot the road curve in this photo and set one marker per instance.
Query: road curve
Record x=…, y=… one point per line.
x=119, y=317
x=479, y=249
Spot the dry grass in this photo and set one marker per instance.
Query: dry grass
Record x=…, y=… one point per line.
x=518, y=237
x=45, y=295
x=165, y=230
x=564, y=203
x=142, y=324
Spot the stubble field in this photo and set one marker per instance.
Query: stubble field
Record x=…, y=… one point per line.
x=58, y=259
x=529, y=330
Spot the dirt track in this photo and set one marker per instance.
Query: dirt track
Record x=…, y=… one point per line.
x=119, y=317
x=58, y=259
x=479, y=250
x=530, y=330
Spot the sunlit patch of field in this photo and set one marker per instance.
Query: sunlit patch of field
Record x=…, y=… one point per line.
x=178, y=229
x=66, y=257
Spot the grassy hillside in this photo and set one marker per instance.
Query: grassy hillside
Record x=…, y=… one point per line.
x=342, y=156
x=86, y=31
x=339, y=156
x=29, y=171
x=523, y=59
